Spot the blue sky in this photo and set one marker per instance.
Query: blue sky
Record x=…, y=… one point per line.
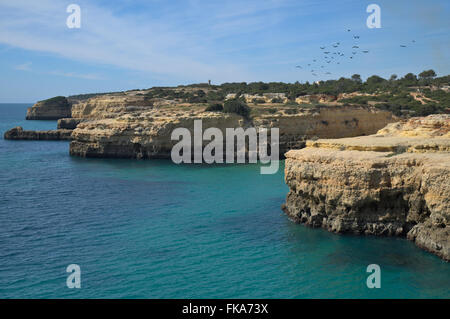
x=139, y=44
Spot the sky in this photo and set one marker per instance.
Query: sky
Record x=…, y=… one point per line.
x=126, y=44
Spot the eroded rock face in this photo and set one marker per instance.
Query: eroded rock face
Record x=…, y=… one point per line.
x=141, y=136
x=52, y=109
x=68, y=123
x=396, y=183
x=18, y=133
x=135, y=127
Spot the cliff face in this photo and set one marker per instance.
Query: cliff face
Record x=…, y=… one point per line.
x=52, y=109
x=135, y=127
x=396, y=182
x=111, y=105
x=139, y=136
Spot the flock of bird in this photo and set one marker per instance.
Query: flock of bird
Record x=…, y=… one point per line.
x=334, y=54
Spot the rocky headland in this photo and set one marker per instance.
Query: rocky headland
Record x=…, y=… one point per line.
x=133, y=126
x=51, y=109
x=394, y=183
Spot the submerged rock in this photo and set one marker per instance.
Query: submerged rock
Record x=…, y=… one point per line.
x=395, y=183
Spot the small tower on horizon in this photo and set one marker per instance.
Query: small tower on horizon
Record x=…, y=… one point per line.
x=209, y=82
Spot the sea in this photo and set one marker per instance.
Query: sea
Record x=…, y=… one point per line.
x=154, y=229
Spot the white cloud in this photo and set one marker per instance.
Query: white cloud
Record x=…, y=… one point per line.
x=23, y=67
x=88, y=76
x=130, y=42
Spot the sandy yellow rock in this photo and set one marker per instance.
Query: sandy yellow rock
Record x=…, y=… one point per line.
x=396, y=182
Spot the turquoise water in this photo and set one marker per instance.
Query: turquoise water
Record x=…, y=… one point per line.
x=152, y=229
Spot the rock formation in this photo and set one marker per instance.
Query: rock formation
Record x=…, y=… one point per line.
x=51, y=109
x=395, y=183
x=68, y=123
x=18, y=133
x=135, y=127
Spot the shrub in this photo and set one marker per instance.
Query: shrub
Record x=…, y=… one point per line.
x=57, y=100
x=277, y=100
x=196, y=99
x=236, y=106
x=216, y=107
x=258, y=101
x=215, y=96
x=291, y=111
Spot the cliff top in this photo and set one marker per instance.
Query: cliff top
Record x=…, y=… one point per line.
x=406, y=97
x=416, y=135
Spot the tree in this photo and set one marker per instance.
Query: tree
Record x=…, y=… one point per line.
x=410, y=77
x=374, y=83
x=393, y=77
x=236, y=106
x=356, y=78
x=375, y=79
x=427, y=75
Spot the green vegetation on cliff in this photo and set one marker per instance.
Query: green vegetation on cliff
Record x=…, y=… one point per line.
x=410, y=95
x=214, y=107
x=55, y=101
x=236, y=106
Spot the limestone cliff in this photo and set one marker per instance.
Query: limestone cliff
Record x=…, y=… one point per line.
x=396, y=182
x=136, y=127
x=51, y=109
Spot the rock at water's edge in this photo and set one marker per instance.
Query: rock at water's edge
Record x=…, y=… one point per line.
x=394, y=183
x=127, y=127
x=18, y=133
